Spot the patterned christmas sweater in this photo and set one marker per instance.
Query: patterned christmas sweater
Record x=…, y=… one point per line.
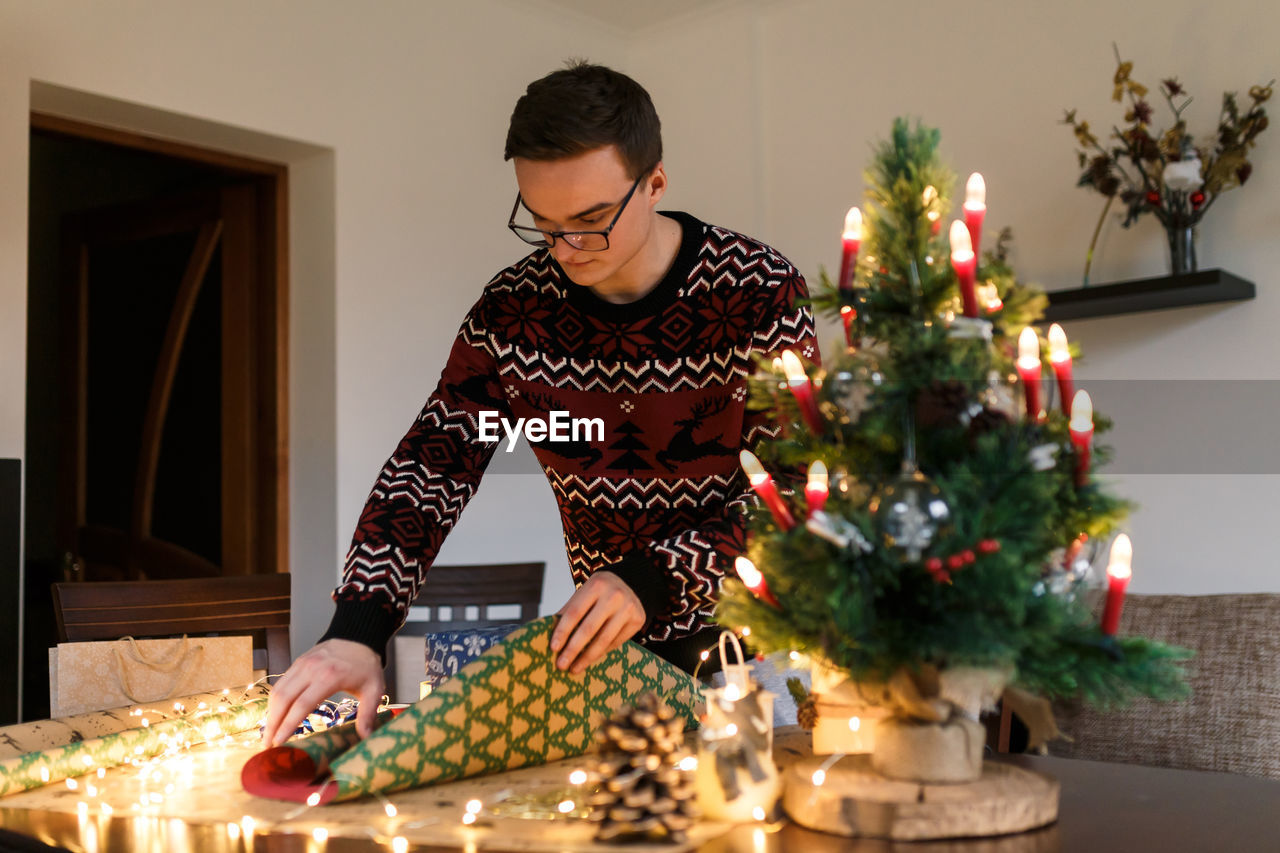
x=652, y=491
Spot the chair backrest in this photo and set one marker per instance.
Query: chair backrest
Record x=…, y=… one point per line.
x=109, y=610
x=471, y=594
x=471, y=597
x=1230, y=723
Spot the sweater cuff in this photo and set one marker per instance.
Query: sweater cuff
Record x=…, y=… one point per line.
x=370, y=622
x=647, y=580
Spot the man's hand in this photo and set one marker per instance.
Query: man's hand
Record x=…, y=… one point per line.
x=600, y=616
x=327, y=668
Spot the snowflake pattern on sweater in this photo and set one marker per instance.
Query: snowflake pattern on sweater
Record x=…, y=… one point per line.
x=660, y=499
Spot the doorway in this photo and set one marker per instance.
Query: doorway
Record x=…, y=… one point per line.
x=156, y=386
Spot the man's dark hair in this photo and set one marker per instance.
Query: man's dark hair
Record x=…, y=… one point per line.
x=583, y=107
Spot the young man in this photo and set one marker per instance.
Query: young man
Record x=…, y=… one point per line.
x=647, y=321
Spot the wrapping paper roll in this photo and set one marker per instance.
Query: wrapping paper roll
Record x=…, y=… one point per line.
x=39, y=735
x=33, y=769
x=509, y=708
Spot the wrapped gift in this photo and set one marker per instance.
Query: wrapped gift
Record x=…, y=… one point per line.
x=511, y=707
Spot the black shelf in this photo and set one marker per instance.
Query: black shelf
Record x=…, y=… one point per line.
x=1148, y=294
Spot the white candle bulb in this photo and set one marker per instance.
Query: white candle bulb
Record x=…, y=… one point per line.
x=1058, y=350
x=1081, y=412
x=975, y=192
x=751, y=465
x=818, y=474
x=961, y=244
x=1121, y=564
x=927, y=200
x=748, y=572
x=1028, y=348
x=792, y=367
x=853, y=224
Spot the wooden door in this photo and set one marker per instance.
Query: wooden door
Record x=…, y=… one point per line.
x=169, y=458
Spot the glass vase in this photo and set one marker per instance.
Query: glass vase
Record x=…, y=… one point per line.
x=1182, y=249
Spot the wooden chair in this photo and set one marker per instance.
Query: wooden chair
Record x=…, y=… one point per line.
x=461, y=598
x=109, y=610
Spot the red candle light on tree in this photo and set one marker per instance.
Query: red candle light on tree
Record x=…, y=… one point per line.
x=975, y=209
x=1029, y=370
x=847, y=316
x=1060, y=358
x=802, y=390
x=965, y=264
x=762, y=484
x=816, y=489
x=1081, y=427
x=754, y=580
x=1119, y=571
x=850, y=241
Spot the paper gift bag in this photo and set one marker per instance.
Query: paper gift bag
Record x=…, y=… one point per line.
x=108, y=674
x=511, y=707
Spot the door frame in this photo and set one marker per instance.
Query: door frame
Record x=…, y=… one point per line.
x=271, y=180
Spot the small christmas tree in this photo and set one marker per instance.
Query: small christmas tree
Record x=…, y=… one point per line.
x=958, y=524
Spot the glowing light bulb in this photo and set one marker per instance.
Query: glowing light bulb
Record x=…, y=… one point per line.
x=731, y=729
x=390, y=810
x=1082, y=412
x=468, y=818
x=961, y=243
x=399, y=844
x=854, y=724
x=233, y=831
x=751, y=466
x=853, y=224
x=975, y=192
x=689, y=762
x=1028, y=349
x=731, y=692
x=1121, y=564
x=748, y=572
x=72, y=784
x=792, y=367
x=758, y=813
x=474, y=806
x=314, y=799
x=577, y=777
x=819, y=776
x=320, y=834
x=565, y=806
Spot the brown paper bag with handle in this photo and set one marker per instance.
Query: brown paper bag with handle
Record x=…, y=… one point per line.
x=104, y=674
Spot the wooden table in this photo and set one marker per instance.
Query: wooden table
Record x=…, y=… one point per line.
x=1104, y=807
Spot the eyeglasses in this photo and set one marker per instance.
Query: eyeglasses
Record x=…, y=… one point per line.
x=586, y=241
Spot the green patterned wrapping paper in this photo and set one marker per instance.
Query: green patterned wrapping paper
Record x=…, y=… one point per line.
x=511, y=707
x=38, y=735
x=33, y=769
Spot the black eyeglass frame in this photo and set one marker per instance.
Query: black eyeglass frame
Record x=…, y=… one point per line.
x=547, y=239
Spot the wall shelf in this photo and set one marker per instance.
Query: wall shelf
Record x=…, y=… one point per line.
x=1148, y=294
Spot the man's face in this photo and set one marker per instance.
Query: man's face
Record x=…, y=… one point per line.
x=583, y=193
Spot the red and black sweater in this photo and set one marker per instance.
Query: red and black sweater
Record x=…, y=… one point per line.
x=660, y=500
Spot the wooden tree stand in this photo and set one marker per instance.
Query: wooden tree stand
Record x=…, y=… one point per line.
x=854, y=800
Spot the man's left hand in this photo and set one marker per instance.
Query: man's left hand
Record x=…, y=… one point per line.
x=600, y=616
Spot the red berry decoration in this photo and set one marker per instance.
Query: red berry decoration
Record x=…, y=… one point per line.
x=988, y=546
x=1197, y=199
x=1153, y=198
x=933, y=564
x=968, y=557
x=955, y=561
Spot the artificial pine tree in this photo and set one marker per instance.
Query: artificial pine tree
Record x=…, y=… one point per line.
x=958, y=527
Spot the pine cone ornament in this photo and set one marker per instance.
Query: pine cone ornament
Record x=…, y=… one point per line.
x=941, y=404
x=644, y=794
x=807, y=714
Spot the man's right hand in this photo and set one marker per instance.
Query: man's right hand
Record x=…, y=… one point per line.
x=329, y=667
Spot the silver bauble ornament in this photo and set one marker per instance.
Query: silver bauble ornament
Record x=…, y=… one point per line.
x=910, y=514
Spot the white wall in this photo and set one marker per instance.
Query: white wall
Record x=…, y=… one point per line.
x=770, y=109
x=399, y=111
x=392, y=117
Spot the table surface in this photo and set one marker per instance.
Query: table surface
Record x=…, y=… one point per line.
x=1104, y=807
